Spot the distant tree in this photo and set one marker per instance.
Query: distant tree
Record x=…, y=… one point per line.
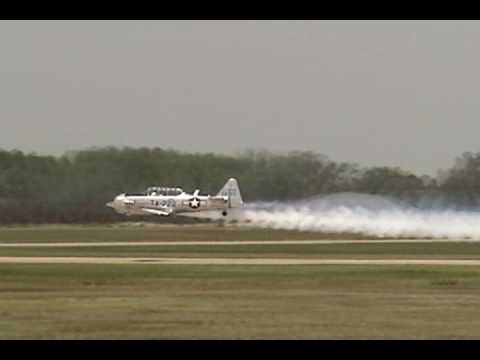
x=75, y=187
x=462, y=181
x=391, y=181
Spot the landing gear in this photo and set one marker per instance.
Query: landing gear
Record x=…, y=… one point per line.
x=224, y=213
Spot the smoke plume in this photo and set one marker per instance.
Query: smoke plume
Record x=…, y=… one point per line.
x=365, y=214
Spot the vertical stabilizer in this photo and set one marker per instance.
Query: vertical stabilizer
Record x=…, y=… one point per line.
x=232, y=190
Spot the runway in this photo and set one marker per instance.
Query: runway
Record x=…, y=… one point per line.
x=210, y=243
x=226, y=261
x=231, y=261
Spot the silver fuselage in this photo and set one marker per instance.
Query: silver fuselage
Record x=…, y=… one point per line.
x=182, y=203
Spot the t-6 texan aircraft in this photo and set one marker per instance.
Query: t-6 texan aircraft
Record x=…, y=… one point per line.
x=166, y=201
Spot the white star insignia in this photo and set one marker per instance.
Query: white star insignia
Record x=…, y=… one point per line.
x=194, y=203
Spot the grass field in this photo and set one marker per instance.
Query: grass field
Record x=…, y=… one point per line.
x=307, y=251
x=65, y=301
x=126, y=232
x=114, y=301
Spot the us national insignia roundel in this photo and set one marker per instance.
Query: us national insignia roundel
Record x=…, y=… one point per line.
x=194, y=203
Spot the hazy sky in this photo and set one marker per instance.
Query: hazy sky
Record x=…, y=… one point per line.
x=397, y=93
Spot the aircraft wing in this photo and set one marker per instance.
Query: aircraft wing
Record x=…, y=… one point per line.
x=166, y=212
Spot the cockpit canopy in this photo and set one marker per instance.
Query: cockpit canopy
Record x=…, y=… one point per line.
x=165, y=191
x=157, y=190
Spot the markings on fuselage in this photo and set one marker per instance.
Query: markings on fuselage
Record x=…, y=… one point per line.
x=163, y=203
x=230, y=192
x=194, y=203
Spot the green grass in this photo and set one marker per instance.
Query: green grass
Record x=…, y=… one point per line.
x=69, y=301
x=363, y=251
x=77, y=233
x=149, y=301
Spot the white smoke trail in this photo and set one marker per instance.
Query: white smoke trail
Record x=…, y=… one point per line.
x=364, y=214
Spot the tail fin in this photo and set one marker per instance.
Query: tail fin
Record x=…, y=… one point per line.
x=232, y=190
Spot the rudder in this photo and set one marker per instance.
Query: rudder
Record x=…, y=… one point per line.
x=232, y=190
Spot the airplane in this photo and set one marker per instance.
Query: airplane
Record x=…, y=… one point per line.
x=167, y=201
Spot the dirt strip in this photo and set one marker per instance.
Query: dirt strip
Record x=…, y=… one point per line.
x=236, y=261
x=210, y=243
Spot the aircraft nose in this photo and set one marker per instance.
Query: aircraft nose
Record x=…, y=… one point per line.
x=117, y=203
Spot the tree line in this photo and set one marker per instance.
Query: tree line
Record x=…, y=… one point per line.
x=74, y=187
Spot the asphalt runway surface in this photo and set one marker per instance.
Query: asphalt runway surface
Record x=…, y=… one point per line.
x=247, y=242
x=231, y=261
x=227, y=261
